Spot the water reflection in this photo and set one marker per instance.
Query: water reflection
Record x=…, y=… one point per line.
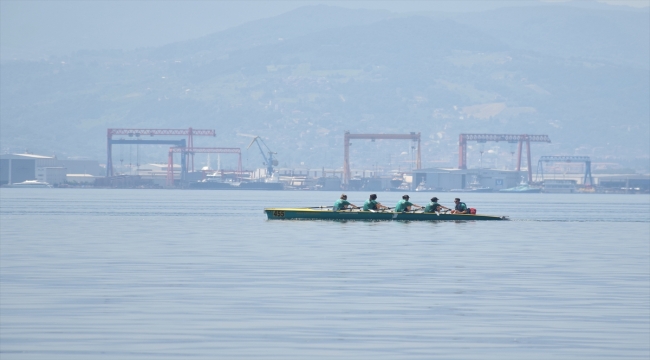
x=173, y=274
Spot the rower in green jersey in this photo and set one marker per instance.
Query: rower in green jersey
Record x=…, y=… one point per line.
x=372, y=204
x=405, y=205
x=461, y=208
x=433, y=206
x=343, y=203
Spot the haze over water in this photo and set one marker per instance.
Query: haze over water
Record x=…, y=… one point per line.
x=156, y=274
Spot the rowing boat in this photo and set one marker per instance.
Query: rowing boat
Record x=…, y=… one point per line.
x=328, y=214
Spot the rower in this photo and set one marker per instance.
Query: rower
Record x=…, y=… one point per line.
x=433, y=206
x=343, y=204
x=460, y=208
x=405, y=205
x=372, y=204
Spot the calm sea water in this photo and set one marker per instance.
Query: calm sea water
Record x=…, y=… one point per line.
x=169, y=274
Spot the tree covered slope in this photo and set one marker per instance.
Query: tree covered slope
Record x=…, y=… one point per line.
x=303, y=78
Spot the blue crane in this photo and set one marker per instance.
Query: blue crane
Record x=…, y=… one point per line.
x=269, y=161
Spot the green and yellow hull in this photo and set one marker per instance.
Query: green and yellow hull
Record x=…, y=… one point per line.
x=328, y=214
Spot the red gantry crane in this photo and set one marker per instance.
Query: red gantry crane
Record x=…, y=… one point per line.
x=482, y=138
x=137, y=133
x=346, y=148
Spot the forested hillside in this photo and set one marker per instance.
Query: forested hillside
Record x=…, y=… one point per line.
x=303, y=78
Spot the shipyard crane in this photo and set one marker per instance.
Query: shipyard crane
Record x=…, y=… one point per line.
x=139, y=134
x=203, y=150
x=511, y=138
x=415, y=137
x=269, y=161
x=588, y=179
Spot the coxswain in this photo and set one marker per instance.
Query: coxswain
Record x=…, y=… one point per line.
x=460, y=208
x=433, y=206
x=405, y=205
x=372, y=204
x=343, y=204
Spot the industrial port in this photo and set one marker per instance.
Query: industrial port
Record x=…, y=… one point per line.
x=576, y=173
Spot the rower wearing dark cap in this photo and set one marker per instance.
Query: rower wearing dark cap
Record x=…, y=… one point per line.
x=433, y=206
x=405, y=205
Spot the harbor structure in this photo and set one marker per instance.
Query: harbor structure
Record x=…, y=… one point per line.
x=463, y=139
x=135, y=138
x=172, y=150
x=16, y=168
x=447, y=179
x=588, y=178
x=414, y=137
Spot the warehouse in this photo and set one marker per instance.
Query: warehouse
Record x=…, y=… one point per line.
x=444, y=179
x=16, y=168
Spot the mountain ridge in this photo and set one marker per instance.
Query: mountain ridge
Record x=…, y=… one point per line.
x=383, y=73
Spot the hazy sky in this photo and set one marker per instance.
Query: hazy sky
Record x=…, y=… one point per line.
x=34, y=29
